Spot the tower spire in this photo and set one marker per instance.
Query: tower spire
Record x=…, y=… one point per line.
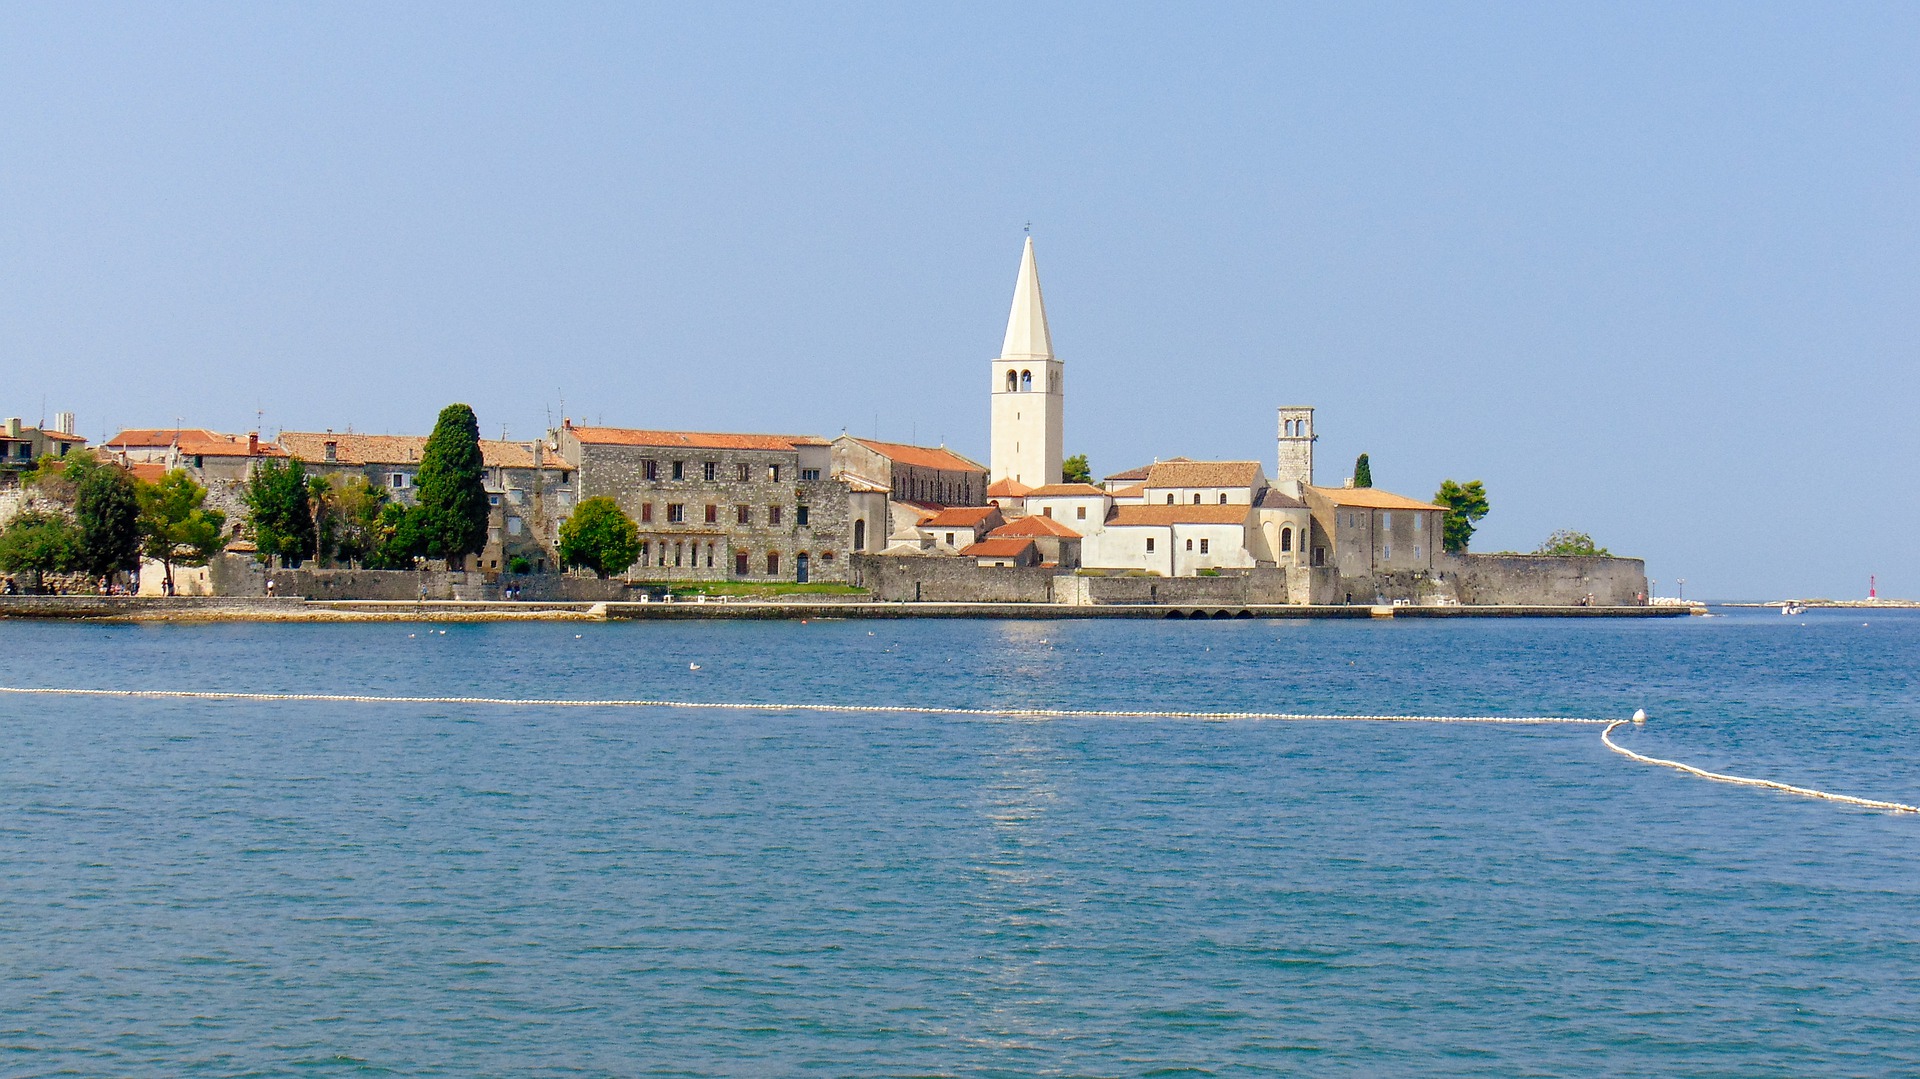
x=1027, y=336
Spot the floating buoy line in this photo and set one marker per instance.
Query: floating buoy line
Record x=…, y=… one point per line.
x=1606, y=734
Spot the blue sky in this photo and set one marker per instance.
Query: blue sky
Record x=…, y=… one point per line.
x=1646, y=270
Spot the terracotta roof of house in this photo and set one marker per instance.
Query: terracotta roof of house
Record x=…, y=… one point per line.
x=1138, y=490
x=921, y=456
x=191, y=440
x=1204, y=474
x=1274, y=500
x=1121, y=516
x=1066, y=490
x=150, y=472
x=861, y=484
x=1008, y=488
x=960, y=517
x=1035, y=524
x=1134, y=475
x=1008, y=547
x=354, y=449
x=696, y=440
x=1371, y=498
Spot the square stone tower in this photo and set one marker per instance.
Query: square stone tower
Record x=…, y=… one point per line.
x=1294, y=468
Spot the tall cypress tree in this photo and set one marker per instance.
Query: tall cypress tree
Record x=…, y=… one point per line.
x=453, y=493
x=1362, y=472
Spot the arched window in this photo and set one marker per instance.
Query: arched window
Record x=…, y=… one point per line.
x=1286, y=539
x=859, y=535
x=1223, y=500
x=1189, y=545
x=1026, y=381
x=1013, y=382
x=1196, y=499
x=773, y=563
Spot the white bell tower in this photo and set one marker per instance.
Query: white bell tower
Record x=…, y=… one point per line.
x=1029, y=388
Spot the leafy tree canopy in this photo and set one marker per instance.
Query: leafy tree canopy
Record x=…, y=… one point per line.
x=599, y=536
x=1075, y=469
x=175, y=525
x=1568, y=542
x=1362, y=472
x=1466, y=503
x=106, y=508
x=35, y=542
x=278, y=510
x=452, y=505
x=348, y=527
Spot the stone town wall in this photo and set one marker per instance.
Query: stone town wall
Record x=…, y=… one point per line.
x=951, y=580
x=1544, y=580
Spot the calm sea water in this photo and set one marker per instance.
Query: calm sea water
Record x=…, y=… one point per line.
x=263, y=889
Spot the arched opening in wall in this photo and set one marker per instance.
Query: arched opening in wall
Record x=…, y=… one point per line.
x=1013, y=382
x=1286, y=539
x=859, y=535
x=1026, y=381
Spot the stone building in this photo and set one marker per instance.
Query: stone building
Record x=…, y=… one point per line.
x=221, y=463
x=749, y=507
x=1363, y=531
x=21, y=447
x=1055, y=544
x=921, y=474
x=530, y=487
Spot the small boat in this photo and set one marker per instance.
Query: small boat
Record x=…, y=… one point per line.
x=1792, y=608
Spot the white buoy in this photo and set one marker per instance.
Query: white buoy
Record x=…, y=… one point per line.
x=693, y=666
x=1639, y=715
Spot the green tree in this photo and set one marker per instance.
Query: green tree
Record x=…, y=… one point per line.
x=278, y=511
x=107, y=511
x=1465, y=503
x=37, y=542
x=1075, y=469
x=452, y=506
x=1568, y=542
x=395, y=537
x=176, y=527
x=599, y=536
x=1362, y=472
x=350, y=521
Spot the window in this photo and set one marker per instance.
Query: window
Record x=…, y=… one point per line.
x=1013, y=382
x=1386, y=519
x=773, y=473
x=709, y=556
x=710, y=471
x=1223, y=500
x=746, y=473
x=1149, y=544
x=514, y=527
x=1026, y=381
x=1080, y=513
x=644, y=545
x=859, y=535
x=809, y=475
x=199, y=461
x=949, y=539
x=742, y=514
x=1286, y=539
x=1386, y=551
x=713, y=513
x=397, y=481
x=676, y=513
x=773, y=515
x=1416, y=552
x=493, y=500
x=650, y=469
x=1169, y=500
x=740, y=561
x=826, y=556
x=679, y=470
x=1189, y=545
x=646, y=512
x=773, y=562
x=1203, y=546
x=799, y=515
x=679, y=553
x=1048, y=512
x=1196, y=499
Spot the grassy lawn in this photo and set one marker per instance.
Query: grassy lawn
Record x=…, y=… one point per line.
x=755, y=590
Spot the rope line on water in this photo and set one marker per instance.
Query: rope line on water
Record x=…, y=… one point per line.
x=1020, y=713
x=1743, y=781
x=1606, y=734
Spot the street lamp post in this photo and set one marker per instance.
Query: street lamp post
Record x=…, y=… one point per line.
x=1683, y=587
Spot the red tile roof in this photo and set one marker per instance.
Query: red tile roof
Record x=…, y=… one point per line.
x=921, y=456
x=1371, y=498
x=696, y=440
x=1204, y=474
x=1178, y=515
x=1035, y=524
x=1066, y=490
x=1007, y=488
x=960, y=517
x=192, y=441
x=353, y=449
x=1011, y=547
x=1134, y=475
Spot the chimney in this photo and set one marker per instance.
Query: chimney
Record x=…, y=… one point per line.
x=567, y=423
x=253, y=443
x=332, y=451
x=13, y=427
